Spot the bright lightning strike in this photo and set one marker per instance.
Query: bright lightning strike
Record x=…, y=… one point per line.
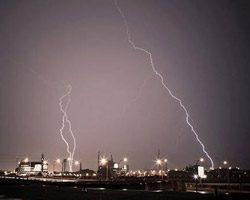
x=149, y=54
x=65, y=120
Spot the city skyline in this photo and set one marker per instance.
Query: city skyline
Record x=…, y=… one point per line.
x=118, y=106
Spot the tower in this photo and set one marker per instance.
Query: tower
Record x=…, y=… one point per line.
x=42, y=161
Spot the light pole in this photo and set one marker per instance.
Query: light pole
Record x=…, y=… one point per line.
x=125, y=160
x=226, y=163
x=104, y=162
x=159, y=163
x=78, y=163
x=200, y=160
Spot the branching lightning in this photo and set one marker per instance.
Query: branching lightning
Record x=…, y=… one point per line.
x=149, y=54
x=65, y=120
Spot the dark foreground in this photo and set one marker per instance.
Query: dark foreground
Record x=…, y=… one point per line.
x=43, y=191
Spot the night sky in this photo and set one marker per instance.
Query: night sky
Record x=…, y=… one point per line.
x=118, y=105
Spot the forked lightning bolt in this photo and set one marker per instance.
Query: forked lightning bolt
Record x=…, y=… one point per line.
x=65, y=120
x=149, y=54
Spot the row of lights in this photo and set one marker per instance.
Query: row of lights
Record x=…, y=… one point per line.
x=161, y=161
x=104, y=161
x=58, y=161
x=224, y=163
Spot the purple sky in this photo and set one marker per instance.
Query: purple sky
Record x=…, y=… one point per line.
x=201, y=48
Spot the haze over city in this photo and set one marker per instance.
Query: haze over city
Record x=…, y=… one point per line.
x=118, y=105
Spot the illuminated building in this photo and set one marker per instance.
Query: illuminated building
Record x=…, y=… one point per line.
x=26, y=167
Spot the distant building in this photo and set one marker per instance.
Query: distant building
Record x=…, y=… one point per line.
x=108, y=169
x=26, y=167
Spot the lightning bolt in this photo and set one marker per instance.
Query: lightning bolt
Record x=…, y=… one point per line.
x=149, y=54
x=65, y=120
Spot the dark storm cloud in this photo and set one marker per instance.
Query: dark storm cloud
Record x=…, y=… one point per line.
x=200, y=47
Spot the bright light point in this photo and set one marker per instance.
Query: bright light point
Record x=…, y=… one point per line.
x=116, y=166
x=26, y=160
x=104, y=161
x=68, y=159
x=230, y=168
x=204, y=176
x=195, y=176
x=225, y=162
x=77, y=162
x=125, y=159
x=201, y=159
x=158, y=162
x=58, y=160
x=165, y=160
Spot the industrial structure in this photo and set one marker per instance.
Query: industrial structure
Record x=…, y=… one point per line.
x=108, y=169
x=27, y=167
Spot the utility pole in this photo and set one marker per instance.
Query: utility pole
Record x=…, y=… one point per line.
x=98, y=160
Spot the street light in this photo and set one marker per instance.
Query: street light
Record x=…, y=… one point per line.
x=225, y=163
x=78, y=163
x=104, y=162
x=196, y=181
x=197, y=162
x=200, y=160
x=158, y=161
x=125, y=160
